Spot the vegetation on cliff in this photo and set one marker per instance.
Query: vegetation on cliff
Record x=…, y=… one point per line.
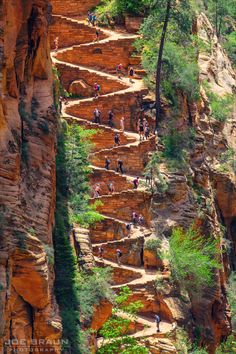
x=73, y=291
x=115, y=330
x=193, y=259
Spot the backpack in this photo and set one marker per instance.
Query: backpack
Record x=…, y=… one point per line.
x=98, y=87
x=158, y=319
x=119, y=67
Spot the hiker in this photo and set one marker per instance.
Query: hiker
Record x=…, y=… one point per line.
x=146, y=131
x=97, y=116
x=100, y=252
x=141, y=129
x=110, y=118
x=134, y=218
x=128, y=228
x=90, y=18
x=120, y=166
x=158, y=320
x=56, y=43
x=122, y=124
x=107, y=163
x=94, y=19
x=96, y=88
x=141, y=219
x=97, y=191
x=131, y=74
x=136, y=182
x=97, y=33
x=95, y=194
x=119, y=70
x=117, y=139
x=118, y=255
x=111, y=188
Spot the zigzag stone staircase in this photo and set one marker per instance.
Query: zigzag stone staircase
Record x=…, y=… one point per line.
x=79, y=58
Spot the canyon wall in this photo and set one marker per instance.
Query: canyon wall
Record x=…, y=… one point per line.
x=27, y=178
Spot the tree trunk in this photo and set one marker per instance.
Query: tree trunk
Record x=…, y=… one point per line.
x=159, y=63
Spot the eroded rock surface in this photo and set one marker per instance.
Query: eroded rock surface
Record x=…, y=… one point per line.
x=27, y=175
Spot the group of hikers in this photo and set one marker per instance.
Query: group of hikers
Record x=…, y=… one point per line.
x=91, y=18
x=97, y=191
x=120, y=71
x=119, y=166
x=143, y=127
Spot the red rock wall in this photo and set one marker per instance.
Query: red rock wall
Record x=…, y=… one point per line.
x=27, y=174
x=100, y=55
x=123, y=104
x=68, y=74
x=70, y=33
x=73, y=8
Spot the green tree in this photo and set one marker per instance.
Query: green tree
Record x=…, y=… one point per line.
x=193, y=259
x=222, y=13
x=158, y=182
x=168, y=27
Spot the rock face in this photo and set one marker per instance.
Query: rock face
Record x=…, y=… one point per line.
x=27, y=177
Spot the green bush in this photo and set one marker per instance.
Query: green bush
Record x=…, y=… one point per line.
x=221, y=107
x=230, y=46
x=227, y=347
x=227, y=161
x=153, y=244
x=158, y=182
x=114, y=331
x=193, y=259
x=116, y=8
x=93, y=288
x=176, y=146
x=49, y=250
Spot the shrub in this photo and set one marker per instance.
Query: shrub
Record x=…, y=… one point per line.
x=153, y=244
x=114, y=8
x=221, y=107
x=158, y=182
x=229, y=346
x=93, y=288
x=227, y=161
x=193, y=259
x=114, y=331
x=230, y=46
x=49, y=250
x=176, y=146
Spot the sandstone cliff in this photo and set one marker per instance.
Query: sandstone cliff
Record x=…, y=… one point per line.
x=27, y=176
